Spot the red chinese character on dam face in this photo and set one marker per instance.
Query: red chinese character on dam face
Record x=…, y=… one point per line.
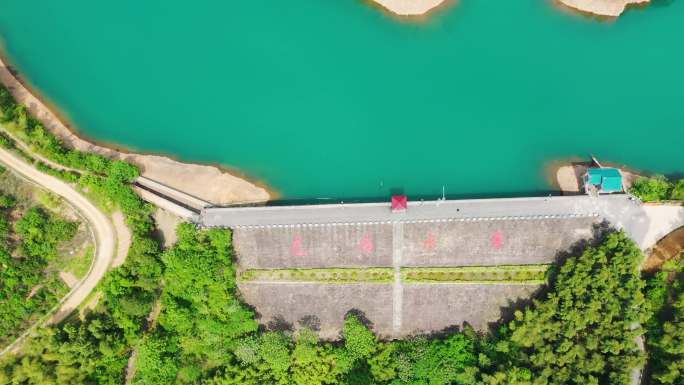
x=430, y=242
x=366, y=244
x=497, y=240
x=297, y=249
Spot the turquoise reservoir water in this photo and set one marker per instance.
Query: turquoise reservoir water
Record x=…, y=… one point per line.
x=332, y=98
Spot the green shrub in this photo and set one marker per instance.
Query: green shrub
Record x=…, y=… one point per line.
x=678, y=190
x=6, y=141
x=651, y=189
x=358, y=340
x=7, y=201
x=41, y=233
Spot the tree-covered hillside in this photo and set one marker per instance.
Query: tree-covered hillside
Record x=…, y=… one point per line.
x=31, y=235
x=581, y=332
x=665, y=329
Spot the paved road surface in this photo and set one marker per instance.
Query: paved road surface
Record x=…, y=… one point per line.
x=102, y=228
x=380, y=212
x=639, y=221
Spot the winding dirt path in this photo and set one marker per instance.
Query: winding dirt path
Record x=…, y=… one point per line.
x=103, y=231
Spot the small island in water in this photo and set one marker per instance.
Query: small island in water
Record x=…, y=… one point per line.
x=608, y=8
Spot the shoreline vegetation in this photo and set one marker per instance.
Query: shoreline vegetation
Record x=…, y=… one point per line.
x=207, y=182
x=658, y=188
x=423, y=8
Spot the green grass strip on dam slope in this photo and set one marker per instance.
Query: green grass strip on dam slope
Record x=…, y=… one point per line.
x=328, y=275
x=503, y=274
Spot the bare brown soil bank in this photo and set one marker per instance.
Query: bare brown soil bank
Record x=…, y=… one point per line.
x=608, y=8
x=410, y=7
x=569, y=178
x=206, y=182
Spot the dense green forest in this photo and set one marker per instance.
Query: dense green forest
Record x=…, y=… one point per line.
x=581, y=332
x=665, y=330
x=95, y=349
x=28, y=243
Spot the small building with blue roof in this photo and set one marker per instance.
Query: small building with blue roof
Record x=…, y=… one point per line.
x=603, y=180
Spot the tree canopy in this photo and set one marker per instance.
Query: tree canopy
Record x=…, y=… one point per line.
x=658, y=188
x=582, y=332
x=585, y=330
x=665, y=329
x=28, y=242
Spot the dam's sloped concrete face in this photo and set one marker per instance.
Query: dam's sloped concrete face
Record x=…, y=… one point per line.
x=493, y=242
x=353, y=245
x=321, y=307
x=431, y=308
x=426, y=308
x=515, y=231
x=399, y=309
x=437, y=244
